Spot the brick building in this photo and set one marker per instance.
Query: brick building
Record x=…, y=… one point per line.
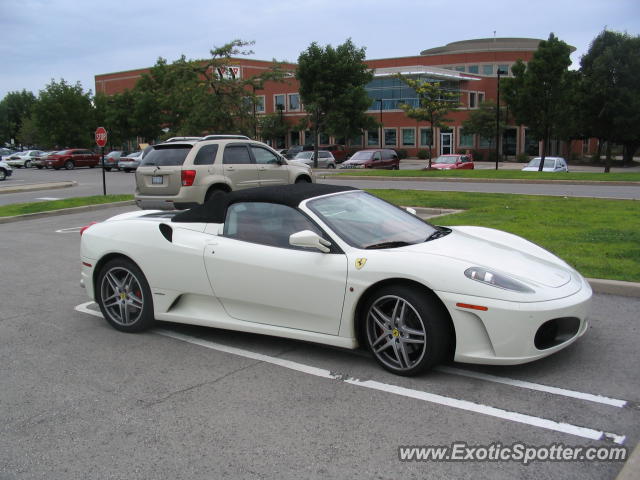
x=467, y=67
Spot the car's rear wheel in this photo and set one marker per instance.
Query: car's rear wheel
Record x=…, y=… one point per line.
x=69, y=165
x=124, y=297
x=3, y=174
x=27, y=164
x=406, y=330
x=303, y=180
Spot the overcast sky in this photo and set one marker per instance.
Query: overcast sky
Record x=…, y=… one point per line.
x=42, y=40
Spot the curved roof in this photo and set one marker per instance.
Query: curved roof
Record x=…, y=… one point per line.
x=215, y=210
x=487, y=45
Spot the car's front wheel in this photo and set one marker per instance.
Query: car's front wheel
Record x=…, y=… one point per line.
x=124, y=297
x=69, y=165
x=27, y=164
x=406, y=330
x=3, y=174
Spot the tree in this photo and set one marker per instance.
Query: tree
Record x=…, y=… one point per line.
x=63, y=115
x=332, y=88
x=483, y=121
x=434, y=103
x=610, y=93
x=537, y=93
x=15, y=107
x=272, y=126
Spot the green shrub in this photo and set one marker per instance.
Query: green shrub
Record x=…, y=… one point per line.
x=402, y=153
x=423, y=154
x=522, y=158
x=477, y=155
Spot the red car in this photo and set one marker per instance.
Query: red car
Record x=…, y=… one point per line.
x=72, y=158
x=379, y=158
x=453, y=161
x=339, y=152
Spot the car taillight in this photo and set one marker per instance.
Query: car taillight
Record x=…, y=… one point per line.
x=188, y=177
x=82, y=229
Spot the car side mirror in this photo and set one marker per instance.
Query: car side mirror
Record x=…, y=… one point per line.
x=309, y=239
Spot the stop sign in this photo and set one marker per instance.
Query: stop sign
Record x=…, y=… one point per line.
x=101, y=136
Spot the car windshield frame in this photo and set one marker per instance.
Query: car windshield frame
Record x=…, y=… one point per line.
x=363, y=155
x=548, y=162
x=306, y=155
x=365, y=221
x=448, y=159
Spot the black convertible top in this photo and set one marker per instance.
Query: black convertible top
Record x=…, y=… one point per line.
x=215, y=210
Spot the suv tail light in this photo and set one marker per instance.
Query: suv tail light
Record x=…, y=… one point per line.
x=188, y=177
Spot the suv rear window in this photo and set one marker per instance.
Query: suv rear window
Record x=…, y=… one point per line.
x=166, y=155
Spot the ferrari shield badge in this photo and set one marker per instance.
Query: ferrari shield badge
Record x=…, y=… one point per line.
x=360, y=262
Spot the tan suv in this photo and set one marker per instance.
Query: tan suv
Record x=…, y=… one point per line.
x=180, y=174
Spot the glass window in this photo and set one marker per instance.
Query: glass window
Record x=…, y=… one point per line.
x=486, y=142
x=487, y=69
x=473, y=69
x=390, y=137
x=164, y=156
x=373, y=138
x=279, y=102
x=365, y=221
x=460, y=68
x=260, y=103
x=425, y=137
x=266, y=223
x=472, y=100
x=408, y=137
x=294, y=101
x=294, y=137
x=264, y=156
x=504, y=68
x=356, y=141
x=236, y=155
x=206, y=155
x=466, y=139
x=480, y=98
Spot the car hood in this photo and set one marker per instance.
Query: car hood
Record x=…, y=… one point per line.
x=356, y=161
x=501, y=252
x=535, y=169
x=443, y=166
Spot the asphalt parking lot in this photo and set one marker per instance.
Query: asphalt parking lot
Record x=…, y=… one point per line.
x=81, y=400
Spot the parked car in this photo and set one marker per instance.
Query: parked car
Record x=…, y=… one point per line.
x=6, y=152
x=335, y=265
x=296, y=149
x=130, y=162
x=339, y=152
x=111, y=160
x=23, y=159
x=5, y=170
x=325, y=159
x=377, y=158
x=180, y=174
x=551, y=164
x=72, y=158
x=453, y=162
x=41, y=160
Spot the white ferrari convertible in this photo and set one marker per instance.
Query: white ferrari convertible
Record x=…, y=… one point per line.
x=336, y=265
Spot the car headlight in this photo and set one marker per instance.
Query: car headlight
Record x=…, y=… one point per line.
x=496, y=280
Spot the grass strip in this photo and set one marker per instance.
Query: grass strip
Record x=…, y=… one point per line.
x=46, y=206
x=599, y=237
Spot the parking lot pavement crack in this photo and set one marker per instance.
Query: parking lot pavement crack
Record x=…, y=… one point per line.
x=196, y=386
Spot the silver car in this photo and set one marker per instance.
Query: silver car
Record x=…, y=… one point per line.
x=551, y=164
x=131, y=162
x=325, y=159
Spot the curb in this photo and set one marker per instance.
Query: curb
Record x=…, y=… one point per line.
x=614, y=287
x=631, y=468
x=64, y=211
x=33, y=187
x=335, y=176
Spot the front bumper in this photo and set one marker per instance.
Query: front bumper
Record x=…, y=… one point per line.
x=505, y=334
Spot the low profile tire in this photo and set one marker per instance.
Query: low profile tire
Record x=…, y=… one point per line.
x=69, y=165
x=406, y=330
x=3, y=174
x=124, y=296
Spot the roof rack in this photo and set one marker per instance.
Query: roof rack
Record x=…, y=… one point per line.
x=225, y=137
x=182, y=139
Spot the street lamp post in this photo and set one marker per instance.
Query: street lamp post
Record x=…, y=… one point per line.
x=381, y=127
x=499, y=72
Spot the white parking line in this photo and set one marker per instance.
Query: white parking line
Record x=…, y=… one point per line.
x=48, y=198
x=589, y=397
x=466, y=405
x=69, y=230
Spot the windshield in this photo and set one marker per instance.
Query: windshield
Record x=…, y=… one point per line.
x=548, y=163
x=166, y=155
x=362, y=155
x=304, y=155
x=365, y=221
x=446, y=159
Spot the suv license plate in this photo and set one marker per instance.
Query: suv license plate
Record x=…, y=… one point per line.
x=157, y=180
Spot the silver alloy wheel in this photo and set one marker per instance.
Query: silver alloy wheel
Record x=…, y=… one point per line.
x=122, y=296
x=396, y=333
